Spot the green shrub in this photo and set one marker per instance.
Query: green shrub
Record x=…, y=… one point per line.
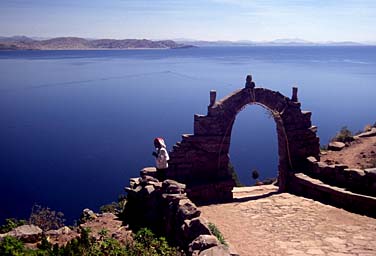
x=215, y=231
x=115, y=207
x=11, y=246
x=10, y=224
x=111, y=207
x=145, y=243
x=344, y=135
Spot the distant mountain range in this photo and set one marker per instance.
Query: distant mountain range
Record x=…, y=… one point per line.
x=76, y=43
x=277, y=42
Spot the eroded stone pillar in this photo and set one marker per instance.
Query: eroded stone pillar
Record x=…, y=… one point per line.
x=213, y=96
x=294, y=94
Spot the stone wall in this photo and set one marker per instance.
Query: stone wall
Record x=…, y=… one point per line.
x=165, y=208
x=201, y=159
x=355, y=180
x=313, y=188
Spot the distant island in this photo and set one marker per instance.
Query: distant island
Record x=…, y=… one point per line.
x=77, y=43
x=277, y=42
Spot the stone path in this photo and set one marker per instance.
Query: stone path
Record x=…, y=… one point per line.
x=263, y=222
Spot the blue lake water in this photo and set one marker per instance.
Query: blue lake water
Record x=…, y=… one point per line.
x=76, y=125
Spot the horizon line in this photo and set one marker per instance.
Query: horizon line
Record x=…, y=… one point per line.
x=288, y=40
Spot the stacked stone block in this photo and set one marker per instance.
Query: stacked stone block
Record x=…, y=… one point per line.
x=361, y=181
x=165, y=208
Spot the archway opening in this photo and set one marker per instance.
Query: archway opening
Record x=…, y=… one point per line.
x=254, y=147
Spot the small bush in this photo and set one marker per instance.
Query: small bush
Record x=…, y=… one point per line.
x=115, y=207
x=10, y=224
x=344, y=135
x=255, y=174
x=367, y=128
x=215, y=231
x=145, y=243
x=11, y=246
x=45, y=218
x=112, y=207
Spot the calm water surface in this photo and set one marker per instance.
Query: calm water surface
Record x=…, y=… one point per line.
x=76, y=125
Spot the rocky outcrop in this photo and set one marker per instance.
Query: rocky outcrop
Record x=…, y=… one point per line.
x=165, y=208
x=370, y=133
x=25, y=233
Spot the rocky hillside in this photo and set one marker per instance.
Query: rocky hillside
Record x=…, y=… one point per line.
x=76, y=43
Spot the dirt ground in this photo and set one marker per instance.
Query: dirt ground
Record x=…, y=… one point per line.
x=360, y=154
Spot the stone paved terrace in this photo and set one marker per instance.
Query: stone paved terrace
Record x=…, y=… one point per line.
x=263, y=222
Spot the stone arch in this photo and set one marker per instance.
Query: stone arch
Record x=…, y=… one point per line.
x=201, y=159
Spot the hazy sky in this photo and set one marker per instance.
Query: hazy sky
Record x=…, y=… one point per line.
x=314, y=20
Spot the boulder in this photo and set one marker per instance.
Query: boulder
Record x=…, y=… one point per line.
x=134, y=182
x=187, y=210
x=312, y=159
x=173, y=187
x=371, y=173
x=148, y=190
x=336, y=146
x=87, y=215
x=27, y=233
x=149, y=171
x=370, y=133
x=61, y=231
x=146, y=179
x=195, y=227
x=216, y=250
x=203, y=242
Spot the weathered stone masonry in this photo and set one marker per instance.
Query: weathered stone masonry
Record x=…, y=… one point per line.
x=201, y=159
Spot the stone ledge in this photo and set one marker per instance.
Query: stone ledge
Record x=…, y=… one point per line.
x=317, y=190
x=356, y=180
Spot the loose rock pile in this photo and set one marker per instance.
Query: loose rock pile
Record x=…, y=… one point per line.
x=165, y=208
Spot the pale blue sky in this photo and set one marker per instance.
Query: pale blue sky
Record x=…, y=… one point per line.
x=257, y=20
